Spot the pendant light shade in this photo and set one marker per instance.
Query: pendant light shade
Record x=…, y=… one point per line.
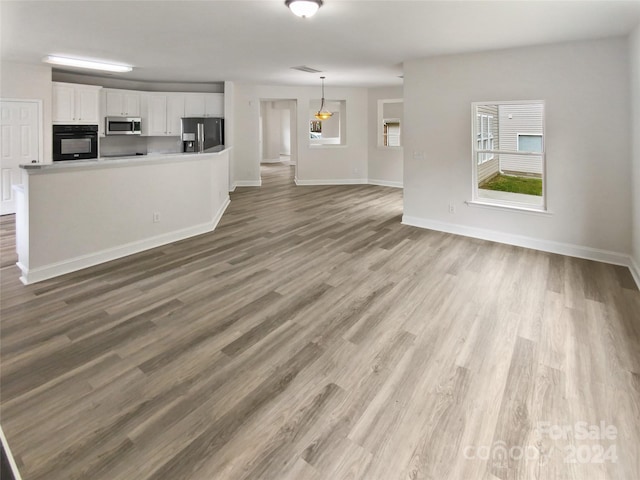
x=322, y=114
x=303, y=8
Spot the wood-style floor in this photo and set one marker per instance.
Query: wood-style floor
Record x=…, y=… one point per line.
x=312, y=336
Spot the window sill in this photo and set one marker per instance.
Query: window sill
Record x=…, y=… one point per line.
x=514, y=207
x=390, y=147
x=328, y=145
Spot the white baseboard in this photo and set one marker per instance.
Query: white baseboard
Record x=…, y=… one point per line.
x=233, y=186
x=568, y=249
x=349, y=181
x=333, y=181
x=248, y=183
x=385, y=183
x=46, y=272
x=634, y=266
x=270, y=160
x=7, y=450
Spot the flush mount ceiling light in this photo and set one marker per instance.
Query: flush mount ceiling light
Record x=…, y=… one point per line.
x=304, y=8
x=79, y=63
x=322, y=114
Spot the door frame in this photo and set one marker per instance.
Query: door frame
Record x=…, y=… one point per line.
x=293, y=131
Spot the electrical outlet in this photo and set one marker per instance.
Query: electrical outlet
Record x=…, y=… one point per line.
x=452, y=208
x=156, y=217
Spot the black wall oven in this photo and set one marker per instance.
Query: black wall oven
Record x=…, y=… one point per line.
x=75, y=142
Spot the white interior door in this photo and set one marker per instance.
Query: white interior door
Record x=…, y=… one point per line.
x=20, y=144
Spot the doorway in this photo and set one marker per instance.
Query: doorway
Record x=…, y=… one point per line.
x=278, y=134
x=21, y=122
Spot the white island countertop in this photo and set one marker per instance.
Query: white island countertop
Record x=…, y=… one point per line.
x=106, y=162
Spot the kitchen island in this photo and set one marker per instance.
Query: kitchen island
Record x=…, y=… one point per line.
x=75, y=214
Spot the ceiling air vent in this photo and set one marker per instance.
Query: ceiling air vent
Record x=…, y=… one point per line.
x=304, y=68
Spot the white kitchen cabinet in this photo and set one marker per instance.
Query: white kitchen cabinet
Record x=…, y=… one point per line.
x=204, y=105
x=121, y=103
x=75, y=104
x=175, y=112
x=194, y=105
x=214, y=105
x=64, y=109
x=164, y=113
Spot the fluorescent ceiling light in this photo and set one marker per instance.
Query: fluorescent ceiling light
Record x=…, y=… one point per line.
x=304, y=8
x=79, y=63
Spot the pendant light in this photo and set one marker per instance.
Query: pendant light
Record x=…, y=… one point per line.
x=322, y=114
x=304, y=8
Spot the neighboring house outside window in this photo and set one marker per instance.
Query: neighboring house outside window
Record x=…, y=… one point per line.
x=509, y=154
x=529, y=143
x=485, y=136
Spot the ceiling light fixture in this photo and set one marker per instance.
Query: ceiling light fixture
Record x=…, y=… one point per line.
x=79, y=63
x=304, y=8
x=322, y=114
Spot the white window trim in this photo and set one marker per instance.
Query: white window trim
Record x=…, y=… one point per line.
x=488, y=138
x=475, y=199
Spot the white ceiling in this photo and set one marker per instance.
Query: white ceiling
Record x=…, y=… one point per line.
x=354, y=42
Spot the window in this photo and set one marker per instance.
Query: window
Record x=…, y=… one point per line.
x=529, y=143
x=484, y=136
x=315, y=129
x=509, y=154
x=333, y=130
x=390, y=112
x=391, y=132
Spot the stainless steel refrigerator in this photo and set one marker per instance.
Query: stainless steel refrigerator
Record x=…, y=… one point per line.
x=202, y=133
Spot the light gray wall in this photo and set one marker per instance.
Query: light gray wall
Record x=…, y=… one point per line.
x=271, y=132
x=586, y=89
x=347, y=163
x=30, y=82
x=385, y=164
x=635, y=125
x=285, y=132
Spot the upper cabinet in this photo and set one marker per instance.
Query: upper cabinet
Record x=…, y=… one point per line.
x=175, y=112
x=121, y=103
x=204, y=105
x=163, y=114
x=75, y=104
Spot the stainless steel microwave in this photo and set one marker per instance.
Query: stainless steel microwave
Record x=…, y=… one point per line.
x=123, y=126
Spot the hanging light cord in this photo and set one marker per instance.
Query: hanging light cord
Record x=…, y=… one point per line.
x=322, y=101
